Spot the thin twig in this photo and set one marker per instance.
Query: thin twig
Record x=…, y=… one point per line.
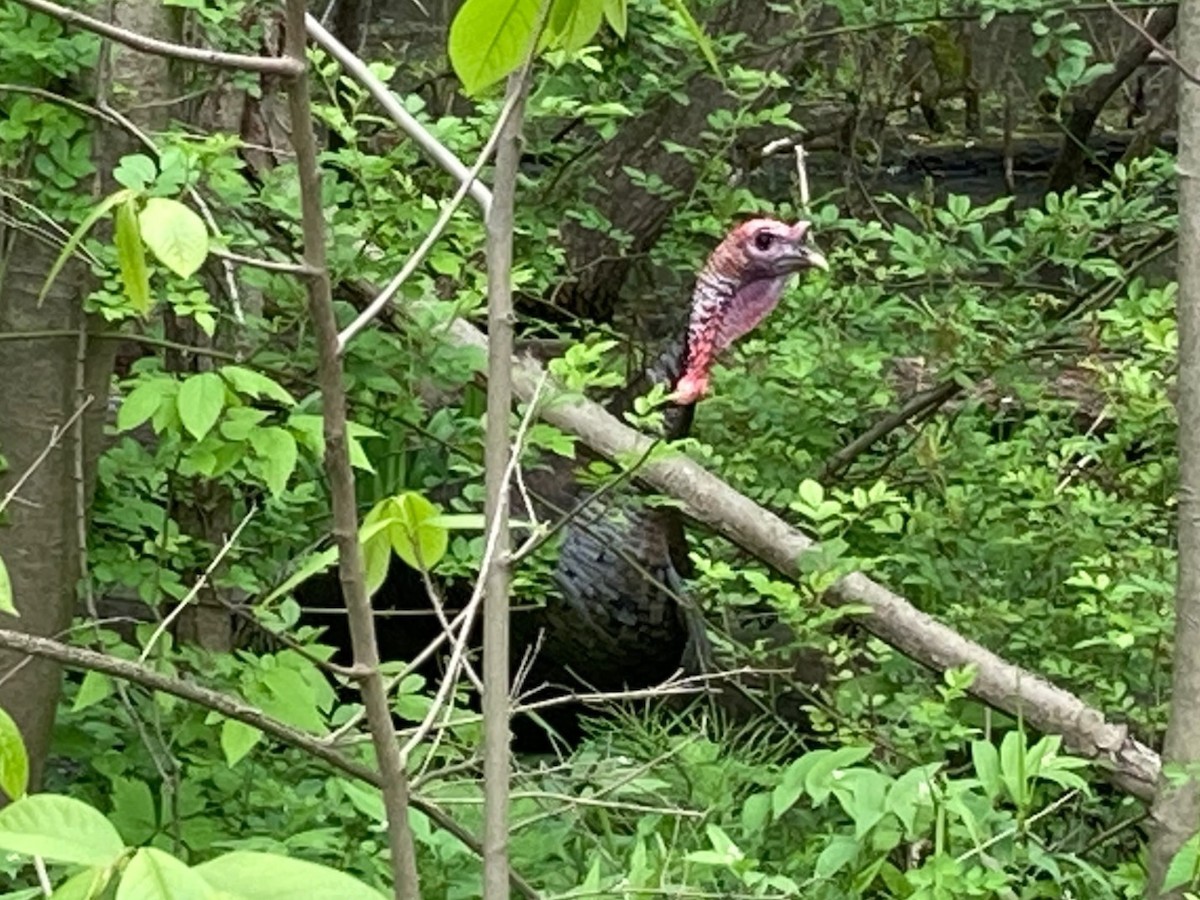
x=363, y=319
x=266, y=64
x=406, y=884
x=198, y=586
x=1154, y=42
x=56, y=435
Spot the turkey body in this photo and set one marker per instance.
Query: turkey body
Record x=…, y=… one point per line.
x=615, y=619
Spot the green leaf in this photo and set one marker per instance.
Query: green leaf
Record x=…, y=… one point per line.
x=265, y=876
x=89, y=884
x=134, y=812
x=201, y=399
x=255, y=384
x=131, y=258
x=376, y=544
x=237, y=739
x=820, y=779
x=987, y=767
x=415, y=537
x=617, y=14
x=573, y=23
x=175, y=235
x=6, y=592
x=136, y=172
x=143, y=402
x=78, y=235
x=155, y=875
x=313, y=564
x=1184, y=865
x=276, y=448
x=840, y=852
x=96, y=686
x=490, y=38
x=14, y=761
x=59, y=829
x=697, y=33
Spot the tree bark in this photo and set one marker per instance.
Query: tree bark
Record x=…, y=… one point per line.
x=1096, y=95
x=1175, y=815
x=41, y=543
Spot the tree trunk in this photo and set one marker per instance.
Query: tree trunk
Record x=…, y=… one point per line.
x=40, y=543
x=1176, y=812
x=40, y=392
x=1096, y=95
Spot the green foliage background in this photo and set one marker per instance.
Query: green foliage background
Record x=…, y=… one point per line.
x=1033, y=511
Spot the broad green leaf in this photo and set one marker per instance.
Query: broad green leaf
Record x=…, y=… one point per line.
x=265, y=876
x=96, y=686
x=490, y=38
x=987, y=767
x=59, y=829
x=376, y=543
x=697, y=33
x=89, y=884
x=131, y=258
x=617, y=14
x=14, y=761
x=276, y=448
x=819, y=781
x=78, y=235
x=415, y=538
x=839, y=853
x=1184, y=866
x=313, y=564
x=134, y=811
x=135, y=171
x=6, y=592
x=291, y=699
x=175, y=235
x=573, y=23
x=155, y=875
x=143, y=402
x=200, y=401
x=255, y=384
x=237, y=739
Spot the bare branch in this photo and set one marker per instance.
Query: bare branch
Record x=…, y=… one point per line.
x=341, y=476
x=265, y=64
x=56, y=435
x=231, y=708
x=438, y=152
x=1153, y=42
x=1130, y=764
x=500, y=463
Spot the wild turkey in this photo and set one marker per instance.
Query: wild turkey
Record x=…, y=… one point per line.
x=615, y=620
x=611, y=622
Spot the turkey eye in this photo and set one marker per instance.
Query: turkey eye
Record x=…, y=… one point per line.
x=763, y=240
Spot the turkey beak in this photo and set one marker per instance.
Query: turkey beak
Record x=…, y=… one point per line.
x=806, y=256
x=814, y=258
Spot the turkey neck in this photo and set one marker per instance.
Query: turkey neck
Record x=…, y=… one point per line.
x=711, y=298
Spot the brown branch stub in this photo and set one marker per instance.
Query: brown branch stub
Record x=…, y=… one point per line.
x=283, y=66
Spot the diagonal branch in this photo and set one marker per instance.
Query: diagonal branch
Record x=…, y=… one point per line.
x=272, y=65
x=232, y=708
x=1130, y=764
